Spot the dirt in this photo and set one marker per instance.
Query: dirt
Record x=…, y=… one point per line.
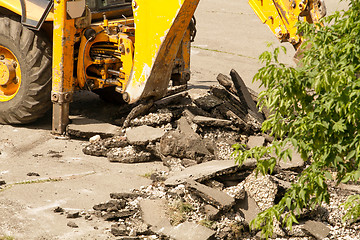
x=75, y=181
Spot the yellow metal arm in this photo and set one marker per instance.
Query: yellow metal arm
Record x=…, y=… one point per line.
x=282, y=15
x=160, y=26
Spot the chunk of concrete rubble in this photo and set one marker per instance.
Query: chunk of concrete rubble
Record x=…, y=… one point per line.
x=248, y=208
x=86, y=128
x=230, y=101
x=129, y=238
x=226, y=82
x=188, y=162
x=214, y=184
x=281, y=183
x=109, y=216
x=317, y=229
x=208, y=102
x=189, y=231
x=211, y=195
x=72, y=224
x=95, y=149
x=207, y=170
x=237, y=192
x=137, y=226
x=295, y=163
x=124, y=195
x=143, y=135
x=59, y=210
x=184, y=127
x=173, y=99
x=197, y=93
x=174, y=164
x=118, y=204
x=94, y=138
x=119, y=230
x=161, y=117
x=129, y=154
x=244, y=94
x=181, y=145
x=101, y=147
x=73, y=215
x=155, y=213
x=211, y=212
x=255, y=141
x=31, y=174
x=211, y=122
x=262, y=189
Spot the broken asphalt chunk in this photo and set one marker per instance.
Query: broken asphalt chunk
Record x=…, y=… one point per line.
x=72, y=224
x=208, y=102
x=207, y=170
x=86, y=128
x=211, y=212
x=124, y=195
x=143, y=135
x=211, y=122
x=73, y=215
x=118, y=204
x=155, y=213
x=317, y=229
x=295, y=163
x=212, y=196
x=182, y=145
x=109, y=216
x=245, y=95
x=189, y=231
x=128, y=154
x=255, y=141
x=247, y=208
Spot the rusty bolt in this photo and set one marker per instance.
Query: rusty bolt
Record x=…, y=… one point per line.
x=186, y=76
x=293, y=5
x=67, y=96
x=15, y=64
x=126, y=97
x=2, y=57
x=128, y=50
x=16, y=80
x=55, y=97
x=135, y=5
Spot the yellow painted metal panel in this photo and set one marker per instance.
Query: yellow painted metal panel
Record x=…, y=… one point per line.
x=159, y=28
x=15, y=6
x=63, y=45
x=268, y=13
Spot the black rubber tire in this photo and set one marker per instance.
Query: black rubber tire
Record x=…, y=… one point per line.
x=33, y=52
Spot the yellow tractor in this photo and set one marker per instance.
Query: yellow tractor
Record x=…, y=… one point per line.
x=116, y=48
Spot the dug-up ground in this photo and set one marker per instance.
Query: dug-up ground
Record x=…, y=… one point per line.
x=169, y=173
x=166, y=172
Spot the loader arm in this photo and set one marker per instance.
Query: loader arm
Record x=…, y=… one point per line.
x=281, y=16
x=160, y=26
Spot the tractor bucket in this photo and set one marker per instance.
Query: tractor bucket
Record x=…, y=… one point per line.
x=160, y=26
